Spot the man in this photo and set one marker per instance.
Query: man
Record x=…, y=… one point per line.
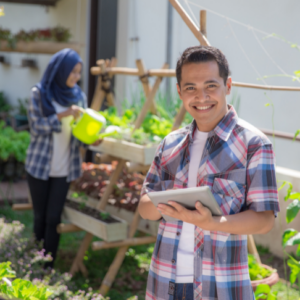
x=203, y=256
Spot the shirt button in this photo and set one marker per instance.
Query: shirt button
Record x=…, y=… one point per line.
x=178, y=233
x=173, y=261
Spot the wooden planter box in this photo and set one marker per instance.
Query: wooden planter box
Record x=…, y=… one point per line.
x=43, y=47
x=109, y=232
x=146, y=226
x=126, y=150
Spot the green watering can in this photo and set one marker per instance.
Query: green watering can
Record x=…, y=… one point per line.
x=87, y=128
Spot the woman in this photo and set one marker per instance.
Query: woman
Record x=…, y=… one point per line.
x=53, y=157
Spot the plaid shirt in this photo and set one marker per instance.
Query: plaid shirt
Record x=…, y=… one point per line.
x=238, y=165
x=39, y=152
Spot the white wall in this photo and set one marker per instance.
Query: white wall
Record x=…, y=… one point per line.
x=16, y=81
x=271, y=16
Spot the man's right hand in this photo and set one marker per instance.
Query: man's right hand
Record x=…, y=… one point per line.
x=147, y=209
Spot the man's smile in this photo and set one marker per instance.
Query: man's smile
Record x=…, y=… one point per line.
x=203, y=108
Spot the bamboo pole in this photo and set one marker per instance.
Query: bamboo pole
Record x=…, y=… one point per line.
x=189, y=22
x=252, y=248
x=112, y=181
x=203, y=22
x=116, y=264
x=127, y=242
x=172, y=73
x=179, y=117
x=65, y=228
x=99, y=94
x=148, y=101
x=77, y=263
x=145, y=82
x=22, y=206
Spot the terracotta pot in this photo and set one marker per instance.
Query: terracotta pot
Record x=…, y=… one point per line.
x=271, y=280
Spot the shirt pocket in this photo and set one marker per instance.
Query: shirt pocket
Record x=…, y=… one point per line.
x=229, y=194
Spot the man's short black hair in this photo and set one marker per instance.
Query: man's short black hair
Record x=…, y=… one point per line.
x=199, y=54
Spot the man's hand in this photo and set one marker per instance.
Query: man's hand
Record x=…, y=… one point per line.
x=200, y=217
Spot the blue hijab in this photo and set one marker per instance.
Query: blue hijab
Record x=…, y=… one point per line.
x=53, y=84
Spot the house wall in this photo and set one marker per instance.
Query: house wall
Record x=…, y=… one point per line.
x=16, y=81
x=147, y=20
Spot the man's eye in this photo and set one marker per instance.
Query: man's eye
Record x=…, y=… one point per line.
x=211, y=86
x=190, y=88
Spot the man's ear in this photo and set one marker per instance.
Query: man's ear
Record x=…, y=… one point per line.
x=178, y=90
x=228, y=85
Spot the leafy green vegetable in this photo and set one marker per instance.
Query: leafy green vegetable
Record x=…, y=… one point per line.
x=256, y=270
x=19, y=288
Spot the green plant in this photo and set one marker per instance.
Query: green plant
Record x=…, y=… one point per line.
x=83, y=197
x=22, y=107
x=12, y=143
x=4, y=106
x=291, y=236
x=104, y=215
x=263, y=291
x=20, y=288
x=257, y=271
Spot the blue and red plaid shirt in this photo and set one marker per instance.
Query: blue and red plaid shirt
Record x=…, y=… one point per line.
x=238, y=165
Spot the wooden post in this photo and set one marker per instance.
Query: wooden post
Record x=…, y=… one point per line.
x=115, y=266
x=99, y=94
x=77, y=263
x=179, y=117
x=203, y=22
x=22, y=206
x=189, y=22
x=127, y=242
x=148, y=101
x=65, y=228
x=252, y=248
x=145, y=82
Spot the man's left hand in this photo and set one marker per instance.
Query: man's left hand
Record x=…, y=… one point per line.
x=200, y=217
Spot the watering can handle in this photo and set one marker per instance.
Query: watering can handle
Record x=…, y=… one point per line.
x=73, y=122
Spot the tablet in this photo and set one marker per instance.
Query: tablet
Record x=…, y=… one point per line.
x=187, y=198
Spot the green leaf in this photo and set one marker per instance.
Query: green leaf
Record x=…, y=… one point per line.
x=292, y=210
x=295, y=240
x=295, y=269
x=296, y=134
x=272, y=296
x=294, y=196
x=262, y=289
x=297, y=73
x=288, y=233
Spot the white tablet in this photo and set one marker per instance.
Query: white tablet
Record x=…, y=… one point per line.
x=187, y=198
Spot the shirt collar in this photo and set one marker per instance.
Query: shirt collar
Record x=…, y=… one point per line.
x=223, y=129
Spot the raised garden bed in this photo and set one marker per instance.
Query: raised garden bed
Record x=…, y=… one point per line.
x=99, y=223
x=43, y=47
x=126, y=150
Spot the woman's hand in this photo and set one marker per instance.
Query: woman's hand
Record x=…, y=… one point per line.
x=97, y=143
x=73, y=110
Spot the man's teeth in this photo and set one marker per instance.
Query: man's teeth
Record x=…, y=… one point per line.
x=203, y=107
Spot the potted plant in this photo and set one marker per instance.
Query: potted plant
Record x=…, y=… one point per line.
x=261, y=274
x=5, y=108
x=21, y=115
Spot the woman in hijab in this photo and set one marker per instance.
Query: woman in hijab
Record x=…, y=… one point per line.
x=53, y=157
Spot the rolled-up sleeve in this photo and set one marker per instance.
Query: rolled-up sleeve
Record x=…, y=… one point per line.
x=153, y=179
x=262, y=192
x=39, y=124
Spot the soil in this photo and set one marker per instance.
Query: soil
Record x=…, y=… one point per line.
x=91, y=212
x=95, y=178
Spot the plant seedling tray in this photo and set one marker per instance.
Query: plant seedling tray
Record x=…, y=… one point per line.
x=126, y=150
x=112, y=229
x=146, y=226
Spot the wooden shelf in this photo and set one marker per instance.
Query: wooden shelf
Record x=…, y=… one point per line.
x=41, y=47
x=146, y=226
x=126, y=150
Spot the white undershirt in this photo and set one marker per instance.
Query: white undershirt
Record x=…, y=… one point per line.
x=60, y=161
x=185, y=252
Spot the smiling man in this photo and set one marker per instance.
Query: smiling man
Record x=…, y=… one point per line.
x=202, y=256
